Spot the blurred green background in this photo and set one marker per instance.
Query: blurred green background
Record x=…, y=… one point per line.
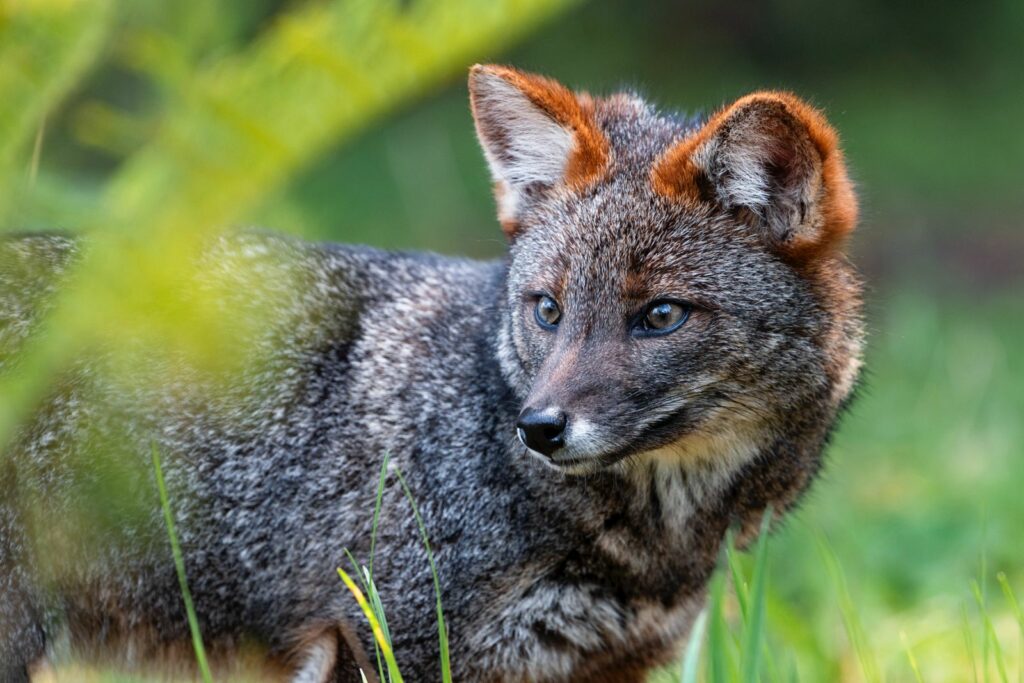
x=923, y=491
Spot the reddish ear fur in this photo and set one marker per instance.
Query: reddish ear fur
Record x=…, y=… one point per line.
x=586, y=160
x=790, y=138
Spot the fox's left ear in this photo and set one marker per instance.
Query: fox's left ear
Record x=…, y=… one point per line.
x=773, y=160
x=536, y=134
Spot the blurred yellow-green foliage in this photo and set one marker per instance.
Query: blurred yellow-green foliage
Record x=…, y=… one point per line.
x=152, y=125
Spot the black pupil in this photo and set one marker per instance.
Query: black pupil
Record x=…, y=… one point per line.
x=661, y=316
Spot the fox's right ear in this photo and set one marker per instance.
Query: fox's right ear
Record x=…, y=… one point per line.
x=536, y=134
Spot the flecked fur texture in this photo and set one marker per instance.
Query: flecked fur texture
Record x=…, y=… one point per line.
x=588, y=565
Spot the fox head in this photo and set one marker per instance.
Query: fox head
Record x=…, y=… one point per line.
x=677, y=288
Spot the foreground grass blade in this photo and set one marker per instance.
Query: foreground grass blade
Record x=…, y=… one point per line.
x=1015, y=608
x=691, y=662
x=990, y=636
x=754, y=632
x=969, y=642
x=376, y=508
x=373, y=541
x=982, y=596
x=378, y=632
x=739, y=585
x=741, y=590
x=377, y=605
x=442, y=629
x=718, y=641
x=370, y=589
x=179, y=565
x=910, y=657
x=851, y=619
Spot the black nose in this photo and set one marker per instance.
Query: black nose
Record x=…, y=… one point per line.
x=541, y=431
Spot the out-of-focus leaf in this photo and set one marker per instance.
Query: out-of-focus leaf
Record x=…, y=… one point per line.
x=234, y=132
x=45, y=47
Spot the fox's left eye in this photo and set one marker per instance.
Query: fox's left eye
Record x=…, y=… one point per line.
x=547, y=313
x=662, y=317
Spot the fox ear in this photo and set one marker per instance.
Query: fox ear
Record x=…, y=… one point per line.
x=536, y=135
x=775, y=161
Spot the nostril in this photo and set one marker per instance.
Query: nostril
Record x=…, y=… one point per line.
x=542, y=431
x=553, y=432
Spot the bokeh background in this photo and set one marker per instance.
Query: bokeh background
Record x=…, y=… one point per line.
x=156, y=122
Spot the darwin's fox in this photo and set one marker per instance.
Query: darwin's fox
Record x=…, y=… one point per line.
x=660, y=358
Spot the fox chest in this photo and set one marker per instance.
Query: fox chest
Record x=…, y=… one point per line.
x=551, y=631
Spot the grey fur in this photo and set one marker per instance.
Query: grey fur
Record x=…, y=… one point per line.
x=546, y=575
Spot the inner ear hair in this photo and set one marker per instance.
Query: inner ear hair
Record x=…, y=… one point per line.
x=536, y=134
x=774, y=163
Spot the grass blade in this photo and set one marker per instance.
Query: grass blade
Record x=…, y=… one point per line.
x=355, y=567
x=378, y=632
x=718, y=640
x=691, y=662
x=754, y=632
x=741, y=590
x=179, y=566
x=981, y=595
x=378, y=609
x=854, y=629
x=910, y=657
x=969, y=642
x=370, y=589
x=37, y=151
x=377, y=605
x=376, y=508
x=991, y=640
x=1015, y=608
x=373, y=541
x=739, y=585
x=442, y=629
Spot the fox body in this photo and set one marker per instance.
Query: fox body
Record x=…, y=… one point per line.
x=661, y=357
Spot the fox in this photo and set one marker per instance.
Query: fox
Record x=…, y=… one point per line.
x=660, y=358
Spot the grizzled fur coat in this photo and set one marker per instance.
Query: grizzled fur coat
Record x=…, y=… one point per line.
x=661, y=357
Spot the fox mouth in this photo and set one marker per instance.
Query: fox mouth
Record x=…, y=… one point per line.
x=666, y=430
x=572, y=464
x=577, y=464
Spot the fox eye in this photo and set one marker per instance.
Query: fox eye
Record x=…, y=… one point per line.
x=662, y=317
x=547, y=312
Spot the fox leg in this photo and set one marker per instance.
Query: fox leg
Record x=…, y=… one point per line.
x=317, y=660
x=332, y=655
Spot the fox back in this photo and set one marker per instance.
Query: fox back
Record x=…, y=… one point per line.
x=660, y=358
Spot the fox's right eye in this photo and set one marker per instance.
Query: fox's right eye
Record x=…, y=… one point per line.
x=547, y=312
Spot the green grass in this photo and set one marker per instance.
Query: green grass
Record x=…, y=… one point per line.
x=373, y=607
x=179, y=566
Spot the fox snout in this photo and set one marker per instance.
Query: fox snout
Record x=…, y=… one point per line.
x=575, y=382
